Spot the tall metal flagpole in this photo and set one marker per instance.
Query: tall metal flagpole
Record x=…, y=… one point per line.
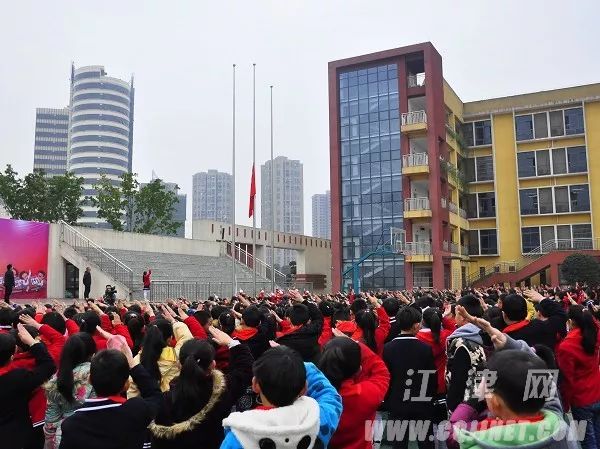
x=233, y=280
x=272, y=203
x=253, y=169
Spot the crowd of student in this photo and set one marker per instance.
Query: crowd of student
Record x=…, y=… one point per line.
x=293, y=370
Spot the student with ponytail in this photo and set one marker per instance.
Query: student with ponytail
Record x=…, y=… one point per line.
x=160, y=359
x=202, y=396
x=578, y=358
x=361, y=378
x=373, y=326
x=70, y=387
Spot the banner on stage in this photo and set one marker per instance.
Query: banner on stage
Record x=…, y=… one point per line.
x=24, y=245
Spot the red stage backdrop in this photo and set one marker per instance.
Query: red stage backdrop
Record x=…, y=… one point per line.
x=24, y=244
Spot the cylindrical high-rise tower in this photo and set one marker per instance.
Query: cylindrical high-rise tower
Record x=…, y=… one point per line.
x=100, y=131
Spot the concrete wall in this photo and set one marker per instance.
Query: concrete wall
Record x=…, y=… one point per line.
x=56, y=264
x=108, y=239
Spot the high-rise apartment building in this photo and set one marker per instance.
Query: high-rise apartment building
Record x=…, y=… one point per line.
x=289, y=200
x=212, y=196
x=321, y=215
x=497, y=190
x=101, y=130
x=51, y=140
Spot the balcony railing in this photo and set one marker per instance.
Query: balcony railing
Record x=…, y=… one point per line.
x=450, y=247
x=414, y=117
x=416, y=80
x=417, y=248
x=444, y=202
x=464, y=250
x=415, y=159
x=416, y=204
x=453, y=207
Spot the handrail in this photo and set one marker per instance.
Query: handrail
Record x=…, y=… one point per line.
x=415, y=159
x=414, y=117
x=416, y=80
x=416, y=204
x=417, y=248
x=266, y=268
x=105, y=261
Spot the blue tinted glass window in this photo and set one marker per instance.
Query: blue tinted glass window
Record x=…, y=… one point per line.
x=488, y=241
x=580, y=198
x=483, y=132
x=526, y=164
x=524, y=127
x=530, y=239
x=576, y=159
x=529, y=201
x=487, y=204
x=574, y=121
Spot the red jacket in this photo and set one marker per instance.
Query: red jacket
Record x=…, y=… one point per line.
x=361, y=397
x=580, y=384
x=146, y=279
x=326, y=333
x=381, y=332
x=119, y=329
x=439, y=354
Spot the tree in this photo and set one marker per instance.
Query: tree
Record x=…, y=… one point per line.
x=581, y=268
x=154, y=208
x=37, y=198
x=125, y=207
x=116, y=203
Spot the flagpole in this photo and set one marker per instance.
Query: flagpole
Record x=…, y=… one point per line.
x=253, y=168
x=272, y=203
x=233, y=281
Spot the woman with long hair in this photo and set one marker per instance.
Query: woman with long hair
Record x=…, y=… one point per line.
x=202, y=396
x=373, y=326
x=578, y=358
x=70, y=386
x=362, y=379
x=160, y=359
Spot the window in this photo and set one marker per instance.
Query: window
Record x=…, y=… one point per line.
x=524, y=127
x=563, y=232
x=477, y=133
x=474, y=243
x=484, y=168
x=545, y=200
x=574, y=121
x=486, y=204
x=561, y=199
x=472, y=205
x=582, y=231
x=529, y=201
x=576, y=159
x=547, y=234
x=558, y=161
x=487, y=241
x=469, y=164
x=559, y=123
x=530, y=239
x=580, y=198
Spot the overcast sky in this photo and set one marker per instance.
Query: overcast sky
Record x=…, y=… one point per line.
x=181, y=53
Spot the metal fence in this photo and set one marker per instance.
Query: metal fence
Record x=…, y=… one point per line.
x=199, y=290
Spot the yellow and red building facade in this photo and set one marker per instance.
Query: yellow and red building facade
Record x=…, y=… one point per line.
x=481, y=189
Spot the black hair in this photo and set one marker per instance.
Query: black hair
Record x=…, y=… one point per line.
x=154, y=342
x=109, y=371
x=32, y=331
x=514, y=307
x=547, y=355
x=432, y=318
x=24, y=311
x=358, y=305
x=408, y=317
x=471, y=305
x=340, y=360
x=227, y=322
x=342, y=314
x=281, y=375
x=299, y=314
x=89, y=321
x=367, y=322
x=252, y=316
x=425, y=301
x=7, y=316
x=203, y=317
x=9, y=266
x=327, y=308
x=78, y=348
x=55, y=321
x=191, y=392
x=391, y=306
x=512, y=368
x=216, y=311
x=70, y=312
x=135, y=324
x=8, y=344
x=585, y=322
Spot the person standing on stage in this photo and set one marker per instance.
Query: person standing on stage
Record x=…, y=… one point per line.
x=9, y=282
x=87, y=282
x=147, y=282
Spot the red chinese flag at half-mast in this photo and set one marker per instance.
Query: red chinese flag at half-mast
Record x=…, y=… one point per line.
x=252, y=194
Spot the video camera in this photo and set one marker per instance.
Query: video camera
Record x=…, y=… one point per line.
x=110, y=295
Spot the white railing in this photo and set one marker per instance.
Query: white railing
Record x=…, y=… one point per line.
x=262, y=268
x=564, y=245
x=450, y=247
x=416, y=80
x=453, y=207
x=417, y=249
x=464, y=250
x=416, y=204
x=444, y=202
x=415, y=159
x=414, y=117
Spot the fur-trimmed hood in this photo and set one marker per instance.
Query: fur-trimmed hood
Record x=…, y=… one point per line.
x=174, y=430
